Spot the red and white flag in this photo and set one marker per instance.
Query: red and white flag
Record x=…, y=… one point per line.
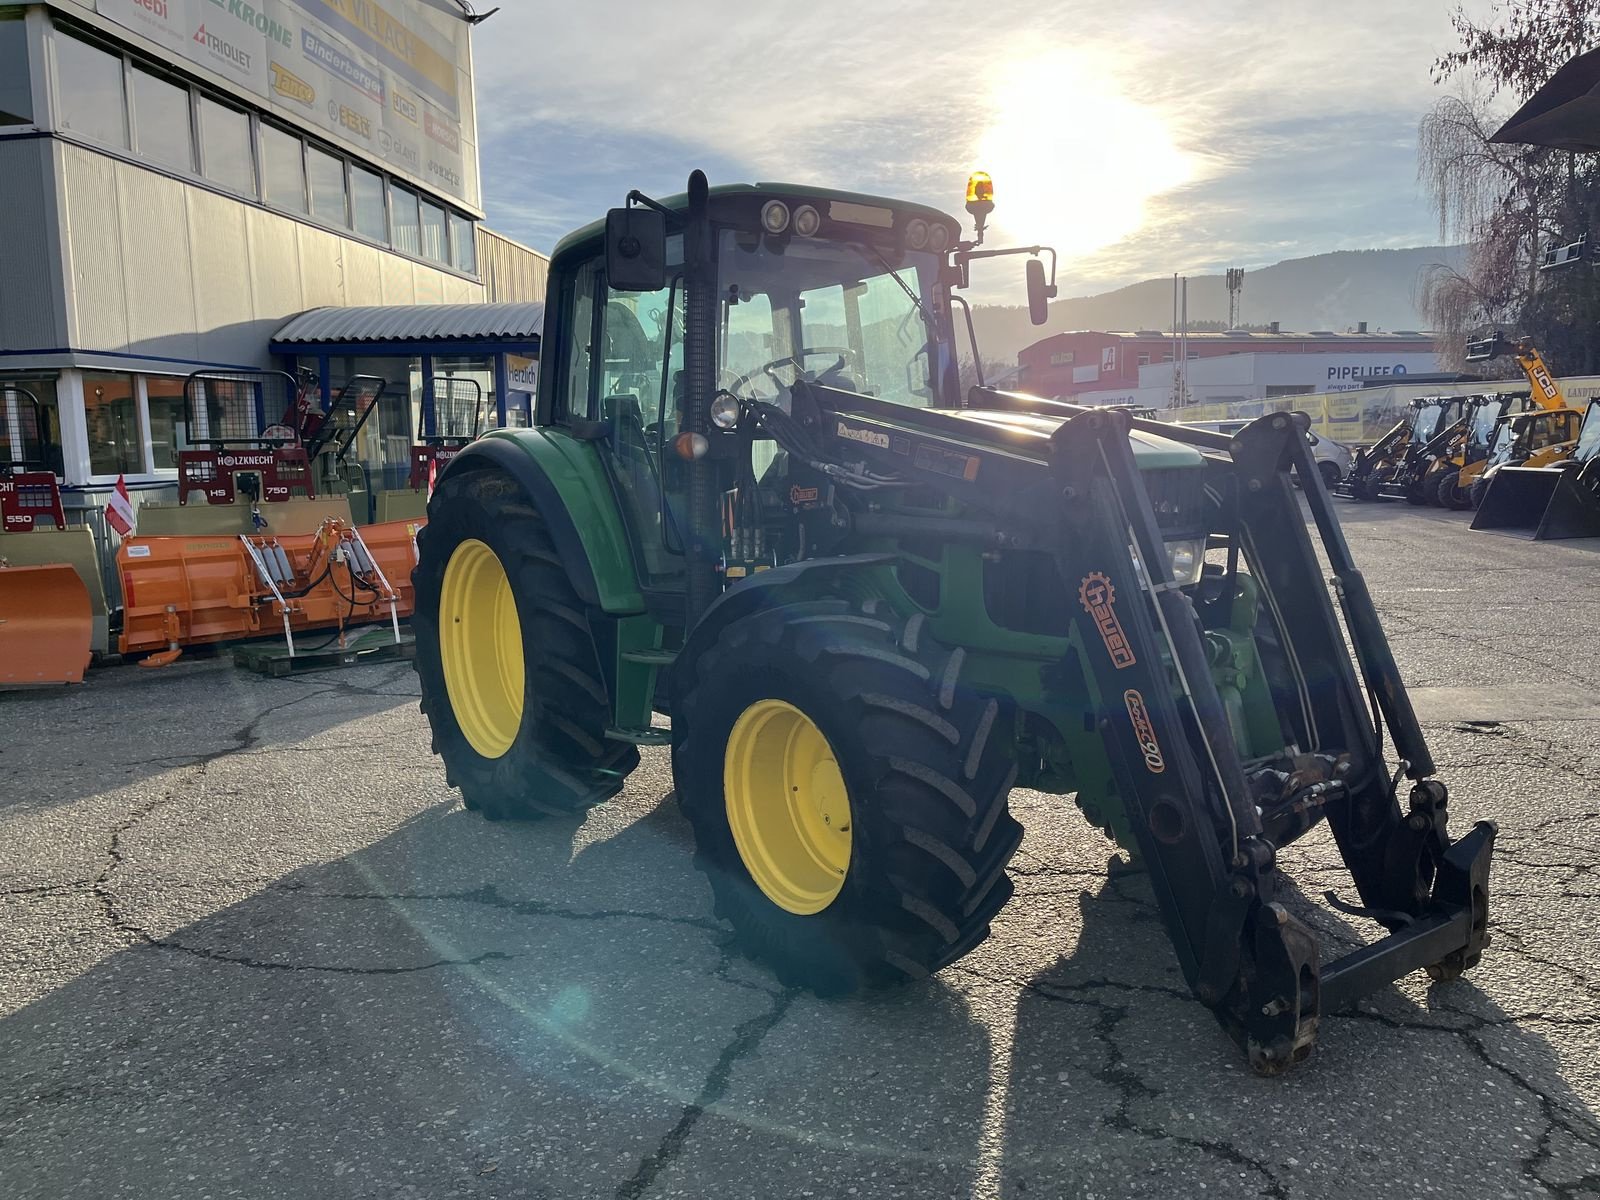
x=119, y=509
x=433, y=475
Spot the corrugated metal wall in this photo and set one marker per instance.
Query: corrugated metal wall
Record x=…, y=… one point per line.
x=28, y=250
x=511, y=271
x=165, y=268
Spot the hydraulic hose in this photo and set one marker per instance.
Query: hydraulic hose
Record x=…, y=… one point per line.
x=700, y=369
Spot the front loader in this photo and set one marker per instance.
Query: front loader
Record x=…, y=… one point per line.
x=1544, y=434
x=1559, y=500
x=1463, y=461
x=756, y=501
x=1376, y=468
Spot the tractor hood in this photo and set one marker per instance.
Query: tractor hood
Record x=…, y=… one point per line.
x=1007, y=428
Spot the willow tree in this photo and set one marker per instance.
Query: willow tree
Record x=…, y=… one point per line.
x=1507, y=202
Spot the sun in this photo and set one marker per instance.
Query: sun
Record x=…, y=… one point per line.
x=1075, y=162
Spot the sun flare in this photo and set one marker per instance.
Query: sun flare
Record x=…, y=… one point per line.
x=1075, y=161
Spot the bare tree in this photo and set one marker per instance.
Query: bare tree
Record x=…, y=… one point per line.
x=1506, y=202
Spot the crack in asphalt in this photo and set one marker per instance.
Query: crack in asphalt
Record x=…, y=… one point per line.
x=1130, y=1087
x=747, y=1038
x=490, y=897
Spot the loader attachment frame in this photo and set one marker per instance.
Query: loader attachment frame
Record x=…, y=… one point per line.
x=1211, y=857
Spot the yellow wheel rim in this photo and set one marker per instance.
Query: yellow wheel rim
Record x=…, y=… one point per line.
x=480, y=644
x=787, y=806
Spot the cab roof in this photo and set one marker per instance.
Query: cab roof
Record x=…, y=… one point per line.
x=595, y=230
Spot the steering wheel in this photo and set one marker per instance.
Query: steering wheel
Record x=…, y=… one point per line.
x=796, y=360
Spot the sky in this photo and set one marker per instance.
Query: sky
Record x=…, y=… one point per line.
x=1138, y=138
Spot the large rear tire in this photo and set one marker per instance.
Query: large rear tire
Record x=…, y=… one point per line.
x=511, y=682
x=802, y=719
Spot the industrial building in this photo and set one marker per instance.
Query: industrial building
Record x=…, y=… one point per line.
x=1111, y=366
x=183, y=179
x=1232, y=378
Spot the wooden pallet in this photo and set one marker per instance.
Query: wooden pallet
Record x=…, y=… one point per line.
x=371, y=646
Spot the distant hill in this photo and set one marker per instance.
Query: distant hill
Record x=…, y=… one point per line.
x=1326, y=291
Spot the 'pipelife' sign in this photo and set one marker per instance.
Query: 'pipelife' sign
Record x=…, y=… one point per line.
x=391, y=80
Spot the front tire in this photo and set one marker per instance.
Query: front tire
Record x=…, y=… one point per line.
x=1330, y=474
x=800, y=718
x=511, y=681
x=1451, y=494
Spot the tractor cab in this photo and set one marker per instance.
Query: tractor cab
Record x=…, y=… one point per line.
x=732, y=339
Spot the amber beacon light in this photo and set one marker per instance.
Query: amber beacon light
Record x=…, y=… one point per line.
x=980, y=199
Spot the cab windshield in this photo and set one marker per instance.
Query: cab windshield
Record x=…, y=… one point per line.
x=1504, y=441
x=1427, y=423
x=1588, y=448
x=1483, y=424
x=850, y=315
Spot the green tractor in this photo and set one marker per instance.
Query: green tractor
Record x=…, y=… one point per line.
x=756, y=501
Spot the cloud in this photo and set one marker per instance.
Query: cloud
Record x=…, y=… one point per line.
x=1193, y=134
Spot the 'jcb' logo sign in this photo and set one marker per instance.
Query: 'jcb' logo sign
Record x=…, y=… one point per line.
x=1098, y=597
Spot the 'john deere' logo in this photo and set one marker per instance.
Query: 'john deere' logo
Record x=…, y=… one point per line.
x=1097, y=596
x=1145, y=732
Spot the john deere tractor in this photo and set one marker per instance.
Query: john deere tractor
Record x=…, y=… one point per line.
x=756, y=502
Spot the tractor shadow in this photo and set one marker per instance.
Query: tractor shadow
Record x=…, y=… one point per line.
x=470, y=1008
x=125, y=725
x=1123, y=1084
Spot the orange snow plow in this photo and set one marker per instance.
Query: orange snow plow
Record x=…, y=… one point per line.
x=45, y=625
x=182, y=591
x=251, y=548
x=52, y=605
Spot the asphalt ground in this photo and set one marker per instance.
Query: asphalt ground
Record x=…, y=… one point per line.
x=253, y=946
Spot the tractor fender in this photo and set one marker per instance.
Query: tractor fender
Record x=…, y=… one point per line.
x=565, y=481
x=757, y=591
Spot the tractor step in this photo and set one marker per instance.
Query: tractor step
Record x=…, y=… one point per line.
x=653, y=658
x=640, y=737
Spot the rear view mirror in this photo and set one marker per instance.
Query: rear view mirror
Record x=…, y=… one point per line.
x=636, y=250
x=1038, y=292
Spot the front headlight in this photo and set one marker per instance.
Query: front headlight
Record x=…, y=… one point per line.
x=1186, y=561
x=725, y=411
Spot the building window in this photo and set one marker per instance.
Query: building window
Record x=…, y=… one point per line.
x=1144, y=358
x=168, y=419
x=16, y=92
x=225, y=147
x=463, y=244
x=161, y=120
x=326, y=173
x=42, y=389
x=111, y=411
x=433, y=232
x=90, y=91
x=283, y=169
x=403, y=219
x=1061, y=358
x=366, y=201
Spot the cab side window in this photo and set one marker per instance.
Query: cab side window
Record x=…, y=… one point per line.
x=579, y=349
